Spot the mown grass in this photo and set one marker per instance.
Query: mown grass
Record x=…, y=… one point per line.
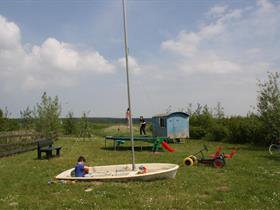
x=249, y=181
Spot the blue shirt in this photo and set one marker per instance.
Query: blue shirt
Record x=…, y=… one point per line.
x=79, y=170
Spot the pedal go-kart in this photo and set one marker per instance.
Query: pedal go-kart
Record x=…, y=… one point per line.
x=216, y=160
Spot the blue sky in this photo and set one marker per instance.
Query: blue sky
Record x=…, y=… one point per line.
x=181, y=52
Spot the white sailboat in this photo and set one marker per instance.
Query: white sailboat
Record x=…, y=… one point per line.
x=125, y=172
x=154, y=171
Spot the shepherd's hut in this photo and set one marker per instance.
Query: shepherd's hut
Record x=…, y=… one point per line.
x=173, y=125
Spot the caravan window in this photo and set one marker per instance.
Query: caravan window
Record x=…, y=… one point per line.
x=162, y=122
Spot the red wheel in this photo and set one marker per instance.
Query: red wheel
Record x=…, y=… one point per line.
x=219, y=163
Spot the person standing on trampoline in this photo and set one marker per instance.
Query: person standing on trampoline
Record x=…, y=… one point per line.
x=142, y=125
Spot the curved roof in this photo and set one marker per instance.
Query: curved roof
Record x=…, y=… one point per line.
x=173, y=113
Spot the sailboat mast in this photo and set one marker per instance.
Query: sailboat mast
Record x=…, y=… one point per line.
x=128, y=86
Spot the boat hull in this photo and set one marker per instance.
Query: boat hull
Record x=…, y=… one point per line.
x=124, y=173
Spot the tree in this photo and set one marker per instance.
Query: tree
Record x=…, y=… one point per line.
x=268, y=106
x=6, y=123
x=2, y=120
x=69, y=124
x=84, y=127
x=219, y=111
x=201, y=121
x=47, y=115
x=27, y=118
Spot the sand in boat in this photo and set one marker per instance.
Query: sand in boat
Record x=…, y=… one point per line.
x=124, y=172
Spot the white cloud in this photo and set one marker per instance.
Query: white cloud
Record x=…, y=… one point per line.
x=253, y=51
x=185, y=44
x=218, y=60
x=188, y=43
x=265, y=5
x=229, y=41
x=231, y=16
x=9, y=35
x=56, y=63
x=211, y=30
x=58, y=56
x=211, y=65
x=63, y=57
x=132, y=64
x=217, y=10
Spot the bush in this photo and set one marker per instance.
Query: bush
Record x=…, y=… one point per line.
x=218, y=132
x=7, y=124
x=197, y=132
x=245, y=130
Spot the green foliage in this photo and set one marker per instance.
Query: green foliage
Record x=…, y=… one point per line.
x=12, y=125
x=201, y=121
x=257, y=134
x=4, y=120
x=245, y=130
x=27, y=119
x=217, y=127
x=237, y=130
x=85, y=131
x=6, y=123
x=197, y=132
x=1, y=116
x=69, y=124
x=218, y=132
x=268, y=106
x=47, y=115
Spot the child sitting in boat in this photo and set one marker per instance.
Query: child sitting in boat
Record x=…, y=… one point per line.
x=142, y=170
x=80, y=169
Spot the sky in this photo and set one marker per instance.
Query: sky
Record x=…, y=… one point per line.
x=181, y=52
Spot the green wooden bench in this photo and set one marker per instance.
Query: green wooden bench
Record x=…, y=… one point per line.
x=46, y=145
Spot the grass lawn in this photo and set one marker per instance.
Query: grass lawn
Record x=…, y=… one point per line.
x=251, y=180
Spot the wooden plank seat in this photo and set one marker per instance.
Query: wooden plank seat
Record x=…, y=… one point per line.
x=46, y=145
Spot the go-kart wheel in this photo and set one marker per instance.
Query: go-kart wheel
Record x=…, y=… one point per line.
x=188, y=161
x=219, y=163
x=194, y=159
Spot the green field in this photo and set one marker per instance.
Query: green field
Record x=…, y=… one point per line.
x=251, y=180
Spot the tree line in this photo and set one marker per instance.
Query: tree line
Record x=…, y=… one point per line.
x=260, y=127
x=45, y=119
